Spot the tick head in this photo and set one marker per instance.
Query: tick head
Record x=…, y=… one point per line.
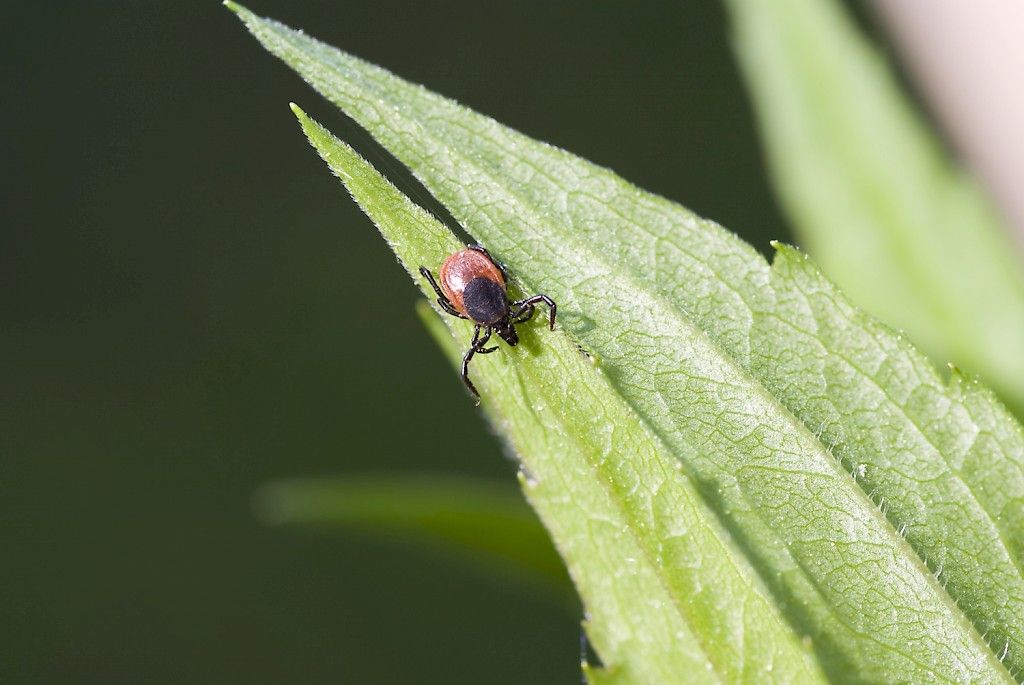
x=507, y=331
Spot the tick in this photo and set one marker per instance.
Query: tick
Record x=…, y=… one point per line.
x=473, y=287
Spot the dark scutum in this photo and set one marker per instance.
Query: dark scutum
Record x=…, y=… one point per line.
x=484, y=300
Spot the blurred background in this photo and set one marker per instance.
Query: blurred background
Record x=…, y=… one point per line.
x=193, y=307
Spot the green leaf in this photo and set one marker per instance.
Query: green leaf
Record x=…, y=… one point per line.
x=694, y=464
x=902, y=229
x=485, y=521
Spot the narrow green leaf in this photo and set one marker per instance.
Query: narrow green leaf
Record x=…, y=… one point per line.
x=702, y=354
x=903, y=230
x=483, y=520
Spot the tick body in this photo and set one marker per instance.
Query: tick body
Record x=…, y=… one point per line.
x=472, y=286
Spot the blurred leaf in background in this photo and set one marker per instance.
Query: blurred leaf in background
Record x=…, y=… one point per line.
x=873, y=194
x=485, y=522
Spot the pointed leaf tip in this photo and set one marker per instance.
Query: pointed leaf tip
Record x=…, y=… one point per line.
x=235, y=7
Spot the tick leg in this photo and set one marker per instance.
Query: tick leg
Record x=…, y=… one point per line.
x=526, y=315
x=465, y=372
x=442, y=300
x=522, y=305
x=465, y=363
x=481, y=334
x=448, y=307
x=479, y=343
x=433, y=284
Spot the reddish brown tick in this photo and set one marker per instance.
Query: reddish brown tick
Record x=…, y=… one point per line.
x=473, y=287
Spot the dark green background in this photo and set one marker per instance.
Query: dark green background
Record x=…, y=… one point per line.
x=192, y=306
